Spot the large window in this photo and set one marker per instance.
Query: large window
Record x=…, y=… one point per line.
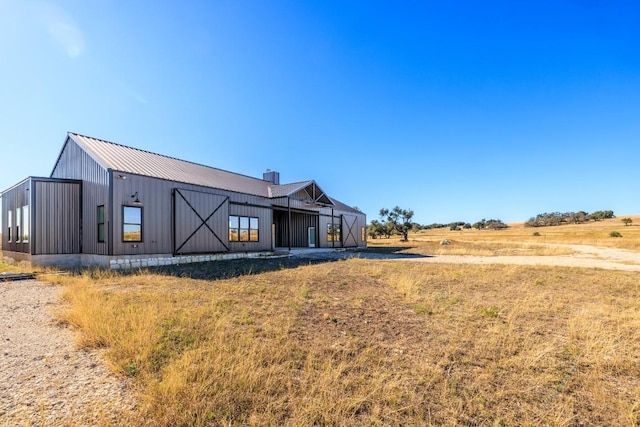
x=9, y=225
x=132, y=224
x=333, y=233
x=243, y=229
x=25, y=224
x=18, y=217
x=101, y=233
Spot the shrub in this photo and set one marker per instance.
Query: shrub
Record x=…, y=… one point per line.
x=615, y=234
x=535, y=233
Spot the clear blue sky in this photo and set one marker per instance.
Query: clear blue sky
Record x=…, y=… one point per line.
x=458, y=110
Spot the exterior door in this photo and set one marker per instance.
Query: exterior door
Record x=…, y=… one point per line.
x=312, y=237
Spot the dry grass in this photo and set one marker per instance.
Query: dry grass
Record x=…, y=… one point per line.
x=518, y=239
x=6, y=268
x=371, y=343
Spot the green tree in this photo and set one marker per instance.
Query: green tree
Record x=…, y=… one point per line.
x=626, y=221
x=398, y=220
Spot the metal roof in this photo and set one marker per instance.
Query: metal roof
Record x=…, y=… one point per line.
x=343, y=207
x=125, y=159
x=140, y=162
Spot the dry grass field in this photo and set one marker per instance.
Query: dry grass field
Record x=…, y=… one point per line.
x=517, y=235
x=377, y=343
x=520, y=240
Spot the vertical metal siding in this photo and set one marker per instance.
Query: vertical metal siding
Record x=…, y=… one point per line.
x=15, y=198
x=325, y=220
x=299, y=228
x=75, y=163
x=265, y=219
x=57, y=219
x=158, y=228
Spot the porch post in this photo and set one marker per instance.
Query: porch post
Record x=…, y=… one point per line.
x=333, y=231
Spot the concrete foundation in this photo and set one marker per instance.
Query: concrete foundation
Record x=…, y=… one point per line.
x=122, y=262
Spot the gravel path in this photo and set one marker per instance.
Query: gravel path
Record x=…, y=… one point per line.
x=585, y=256
x=44, y=379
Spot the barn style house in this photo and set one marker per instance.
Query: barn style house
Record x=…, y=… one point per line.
x=114, y=206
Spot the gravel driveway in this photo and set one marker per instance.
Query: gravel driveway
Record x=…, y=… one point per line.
x=586, y=256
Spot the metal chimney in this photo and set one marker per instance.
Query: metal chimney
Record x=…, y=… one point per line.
x=271, y=176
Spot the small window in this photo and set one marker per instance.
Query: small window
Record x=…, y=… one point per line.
x=243, y=229
x=333, y=233
x=363, y=234
x=25, y=224
x=18, y=216
x=101, y=233
x=253, y=229
x=131, y=224
x=9, y=225
x=234, y=228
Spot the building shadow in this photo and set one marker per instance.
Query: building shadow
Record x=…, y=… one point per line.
x=215, y=270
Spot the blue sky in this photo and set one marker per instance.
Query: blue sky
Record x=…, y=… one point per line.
x=458, y=110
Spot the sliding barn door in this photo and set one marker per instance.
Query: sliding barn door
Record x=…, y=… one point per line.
x=201, y=222
x=349, y=230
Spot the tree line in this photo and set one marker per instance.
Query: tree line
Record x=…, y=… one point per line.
x=398, y=221
x=560, y=218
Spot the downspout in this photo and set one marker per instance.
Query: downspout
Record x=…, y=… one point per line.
x=32, y=235
x=289, y=222
x=110, y=219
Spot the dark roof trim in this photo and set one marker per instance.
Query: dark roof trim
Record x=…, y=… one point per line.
x=40, y=179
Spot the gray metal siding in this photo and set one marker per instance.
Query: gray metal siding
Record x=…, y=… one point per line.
x=86, y=159
x=158, y=228
x=12, y=200
x=265, y=219
x=299, y=228
x=324, y=221
x=76, y=163
x=57, y=220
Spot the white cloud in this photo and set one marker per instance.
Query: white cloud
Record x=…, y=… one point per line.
x=61, y=27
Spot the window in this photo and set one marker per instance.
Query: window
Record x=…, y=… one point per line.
x=101, y=236
x=333, y=233
x=243, y=229
x=9, y=225
x=363, y=234
x=25, y=224
x=18, y=216
x=131, y=224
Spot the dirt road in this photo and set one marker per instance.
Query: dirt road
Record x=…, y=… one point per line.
x=586, y=256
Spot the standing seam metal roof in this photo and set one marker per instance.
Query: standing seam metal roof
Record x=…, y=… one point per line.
x=140, y=162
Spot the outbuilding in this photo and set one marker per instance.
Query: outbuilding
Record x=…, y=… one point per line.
x=115, y=206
